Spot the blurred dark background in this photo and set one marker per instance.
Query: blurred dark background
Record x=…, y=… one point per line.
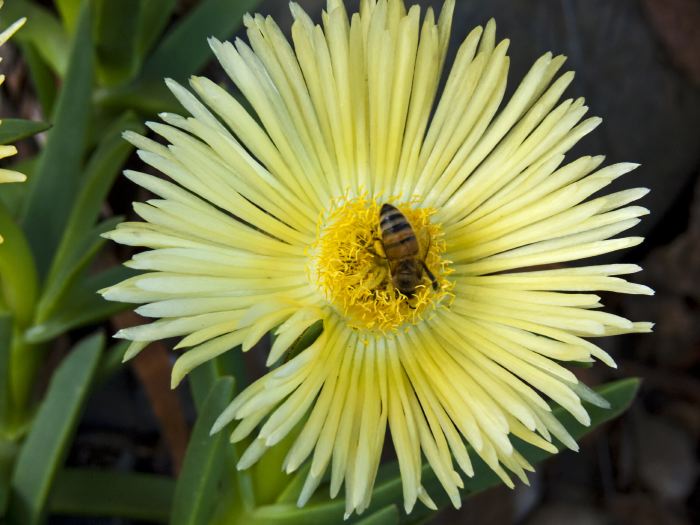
x=638, y=66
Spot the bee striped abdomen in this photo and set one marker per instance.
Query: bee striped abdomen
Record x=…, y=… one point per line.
x=398, y=239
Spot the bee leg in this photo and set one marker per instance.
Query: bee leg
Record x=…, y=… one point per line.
x=408, y=301
x=371, y=250
x=430, y=276
x=425, y=267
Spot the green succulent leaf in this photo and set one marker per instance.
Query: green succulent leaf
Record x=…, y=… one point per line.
x=81, y=241
x=81, y=306
x=115, y=40
x=112, y=361
x=12, y=195
x=53, y=187
x=97, y=493
x=15, y=129
x=239, y=483
x=290, y=514
x=291, y=492
x=18, y=295
x=61, y=285
x=146, y=95
x=182, y=51
x=42, y=30
x=18, y=277
x=8, y=453
x=5, y=394
x=69, y=11
x=305, y=340
x=268, y=475
x=387, y=516
x=198, y=489
x=205, y=375
x=201, y=380
x=153, y=18
x=7, y=446
x=46, y=446
x=41, y=75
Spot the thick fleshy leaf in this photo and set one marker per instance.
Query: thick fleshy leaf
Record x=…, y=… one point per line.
x=305, y=340
x=198, y=488
x=289, y=514
x=148, y=96
x=8, y=453
x=290, y=494
x=184, y=49
x=229, y=365
x=19, y=278
x=42, y=77
x=14, y=129
x=70, y=276
x=81, y=306
x=115, y=40
x=7, y=447
x=268, y=475
x=81, y=241
x=46, y=446
x=271, y=485
x=112, y=361
x=43, y=30
x=5, y=341
x=54, y=186
x=202, y=378
x=97, y=493
x=69, y=11
x=12, y=195
x=320, y=511
x=386, y=516
x=153, y=18
x=180, y=53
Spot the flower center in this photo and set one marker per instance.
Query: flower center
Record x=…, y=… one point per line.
x=376, y=273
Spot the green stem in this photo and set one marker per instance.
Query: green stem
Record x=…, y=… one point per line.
x=18, y=287
x=8, y=456
x=18, y=277
x=24, y=361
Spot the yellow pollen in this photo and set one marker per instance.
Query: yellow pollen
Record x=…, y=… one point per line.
x=350, y=267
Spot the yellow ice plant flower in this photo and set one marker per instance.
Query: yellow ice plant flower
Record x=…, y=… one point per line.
x=270, y=222
x=7, y=150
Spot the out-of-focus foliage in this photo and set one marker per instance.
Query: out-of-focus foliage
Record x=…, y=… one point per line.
x=97, y=69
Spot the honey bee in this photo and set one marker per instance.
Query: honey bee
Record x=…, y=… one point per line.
x=402, y=251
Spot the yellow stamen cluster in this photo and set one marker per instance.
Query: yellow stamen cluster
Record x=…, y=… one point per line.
x=352, y=270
